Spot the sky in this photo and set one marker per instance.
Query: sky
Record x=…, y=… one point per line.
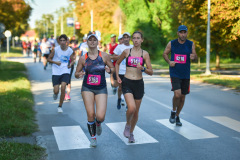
x=41, y=7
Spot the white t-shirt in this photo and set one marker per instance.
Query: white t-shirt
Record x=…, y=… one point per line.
x=118, y=51
x=63, y=57
x=45, y=47
x=84, y=48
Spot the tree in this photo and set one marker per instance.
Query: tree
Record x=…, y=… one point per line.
x=14, y=14
x=225, y=26
x=151, y=18
x=103, y=16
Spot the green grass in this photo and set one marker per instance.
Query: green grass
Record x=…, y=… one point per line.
x=222, y=80
x=17, y=117
x=14, y=52
x=21, y=151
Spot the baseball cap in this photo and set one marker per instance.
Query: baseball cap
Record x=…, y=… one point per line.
x=84, y=38
x=94, y=35
x=182, y=28
x=127, y=34
x=113, y=35
x=120, y=36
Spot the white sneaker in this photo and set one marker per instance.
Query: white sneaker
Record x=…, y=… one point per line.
x=60, y=110
x=93, y=142
x=55, y=96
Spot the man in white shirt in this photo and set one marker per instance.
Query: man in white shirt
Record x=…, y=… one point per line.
x=122, y=68
x=60, y=58
x=83, y=47
x=45, y=48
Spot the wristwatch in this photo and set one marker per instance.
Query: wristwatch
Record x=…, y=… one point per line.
x=144, y=68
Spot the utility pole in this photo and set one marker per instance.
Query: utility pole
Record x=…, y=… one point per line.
x=208, y=72
x=91, y=20
x=62, y=22
x=120, y=25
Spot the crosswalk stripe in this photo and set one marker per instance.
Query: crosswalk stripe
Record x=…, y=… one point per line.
x=70, y=137
x=188, y=130
x=140, y=136
x=226, y=121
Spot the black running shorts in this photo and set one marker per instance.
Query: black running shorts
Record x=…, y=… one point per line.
x=136, y=87
x=183, y=84
x=58, y=79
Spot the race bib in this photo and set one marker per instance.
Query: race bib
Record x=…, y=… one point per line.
x=64, y=59
x=94, y=79
x=133, y=61
x=180, y=58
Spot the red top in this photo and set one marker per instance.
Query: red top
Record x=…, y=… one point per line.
x=111, y=49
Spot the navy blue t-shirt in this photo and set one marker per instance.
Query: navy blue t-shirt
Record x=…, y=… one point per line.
x=180, y=53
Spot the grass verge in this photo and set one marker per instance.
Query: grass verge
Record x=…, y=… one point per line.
x=21, y=151
x=17, y=117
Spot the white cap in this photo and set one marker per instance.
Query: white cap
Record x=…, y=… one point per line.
x=84, y=38
x=120, y=36
x=92, y=35
x=127, y=34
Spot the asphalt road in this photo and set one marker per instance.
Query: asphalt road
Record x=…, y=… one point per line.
x=210, y=117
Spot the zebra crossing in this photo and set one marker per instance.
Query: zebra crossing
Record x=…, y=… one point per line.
x=73, y=137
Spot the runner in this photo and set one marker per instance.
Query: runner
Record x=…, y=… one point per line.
x=111, y=46
x=45, y=48
x=72, y=45
x=35, y=49
x=83, y=47
x=94, y=89
x=59, y=58
x=117, y=52
x=182, y=50
x=120, y=39
x=39, y=52
x=132, y=83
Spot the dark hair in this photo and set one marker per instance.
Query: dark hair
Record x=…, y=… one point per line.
x=63, y=36
x=139, y=33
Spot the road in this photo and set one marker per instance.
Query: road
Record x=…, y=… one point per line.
x=210, y=117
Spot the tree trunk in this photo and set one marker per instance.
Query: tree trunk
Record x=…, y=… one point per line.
x=199, y=64
x=217, y=60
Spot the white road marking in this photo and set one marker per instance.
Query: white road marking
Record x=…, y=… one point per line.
x=188, y=130
x=70, y=137
x=140, y=136
x=226, y=121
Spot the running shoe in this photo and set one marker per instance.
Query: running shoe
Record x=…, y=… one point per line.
x=114, y=89
x=119, y=103
x=98, y=129
x=126, y=132
x=93, y=142
x=122, y=102
x=131, y=138
x=178, y=123
x=55, y=96
x=172, y=118
x=60, y=110
x=69, y=98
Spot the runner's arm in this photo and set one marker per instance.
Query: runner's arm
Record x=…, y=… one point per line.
x=50, y=57
x=166, y=53
x=147, y=70
x=121, y=58
x=79, y=70
x=193, y=55
x=107, y=61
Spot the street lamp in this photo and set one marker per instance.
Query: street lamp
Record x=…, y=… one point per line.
x=208, y=72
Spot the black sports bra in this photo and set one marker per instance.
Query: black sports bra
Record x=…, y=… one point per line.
x=133, y=61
